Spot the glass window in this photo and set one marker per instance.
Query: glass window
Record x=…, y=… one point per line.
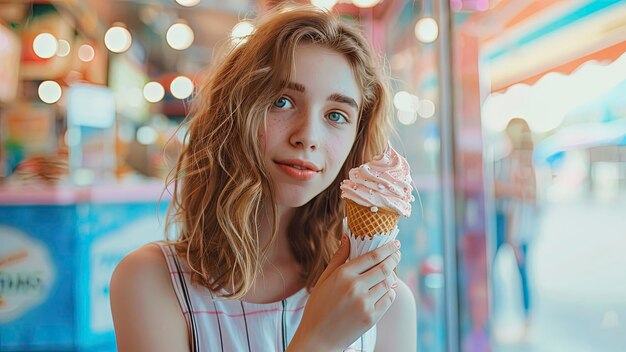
x=414, y=68
x=540, y=87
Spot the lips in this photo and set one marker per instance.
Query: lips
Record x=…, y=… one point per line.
x=299, y=164
x=298, y=169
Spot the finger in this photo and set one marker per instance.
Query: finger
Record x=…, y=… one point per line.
x=384, y=302
x=381, y=271
x=339, y=258
x=380, y=289
x=368, y=260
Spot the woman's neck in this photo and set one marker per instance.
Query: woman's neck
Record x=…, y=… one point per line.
x=281, y=273
x=279, y=252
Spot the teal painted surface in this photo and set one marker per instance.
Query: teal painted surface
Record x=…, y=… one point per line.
x=585, y=11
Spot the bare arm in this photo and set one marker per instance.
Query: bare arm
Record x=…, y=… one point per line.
x=146, y=313
x=397, y=329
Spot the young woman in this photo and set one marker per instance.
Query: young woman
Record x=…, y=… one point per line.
x=259, y=263
x=516, y=205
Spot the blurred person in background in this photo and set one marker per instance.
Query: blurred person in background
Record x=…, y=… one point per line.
x=253, y=266
x=516, y=204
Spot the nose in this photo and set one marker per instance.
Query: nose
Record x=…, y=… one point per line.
x=306, y=134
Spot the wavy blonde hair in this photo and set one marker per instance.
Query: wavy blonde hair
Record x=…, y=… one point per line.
x=220, y=181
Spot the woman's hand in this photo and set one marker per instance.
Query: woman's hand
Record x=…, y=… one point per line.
x=348, y=299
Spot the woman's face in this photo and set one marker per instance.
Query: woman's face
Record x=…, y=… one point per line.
x=312, y=126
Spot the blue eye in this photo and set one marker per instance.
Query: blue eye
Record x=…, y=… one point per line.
x=282, y=103
x=337, y=117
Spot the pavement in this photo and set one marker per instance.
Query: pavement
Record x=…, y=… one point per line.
x=577, y=270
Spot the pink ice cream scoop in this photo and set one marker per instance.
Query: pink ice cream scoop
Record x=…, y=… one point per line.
x=384, y=182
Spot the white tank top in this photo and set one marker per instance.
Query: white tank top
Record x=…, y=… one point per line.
x=221, y=324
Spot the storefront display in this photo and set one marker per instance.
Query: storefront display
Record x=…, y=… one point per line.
x=59, y=249
x=91, y=134
x=26, y=130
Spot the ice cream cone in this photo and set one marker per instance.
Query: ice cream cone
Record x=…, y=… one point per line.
x=363, y=222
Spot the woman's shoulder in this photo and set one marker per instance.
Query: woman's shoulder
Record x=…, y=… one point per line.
x=146, y=262
x=143, y=300
x=145, y=270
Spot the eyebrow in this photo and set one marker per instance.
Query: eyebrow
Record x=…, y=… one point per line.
x=340, y=98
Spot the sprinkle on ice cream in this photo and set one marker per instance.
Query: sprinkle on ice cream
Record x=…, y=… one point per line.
x=383, y=183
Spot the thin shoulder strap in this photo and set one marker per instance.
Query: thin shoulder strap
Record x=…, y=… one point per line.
x=284, y=326
x=219, y=326
x=192, y=318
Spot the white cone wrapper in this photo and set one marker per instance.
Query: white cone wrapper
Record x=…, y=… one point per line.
x=360, y=246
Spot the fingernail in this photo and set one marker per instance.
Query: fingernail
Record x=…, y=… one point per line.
x=394, y=285
x=397, y=243
x=344, y=238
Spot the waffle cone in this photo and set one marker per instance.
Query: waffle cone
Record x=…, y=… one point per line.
x=365, y=223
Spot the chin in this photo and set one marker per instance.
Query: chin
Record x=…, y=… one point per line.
x=293, y=198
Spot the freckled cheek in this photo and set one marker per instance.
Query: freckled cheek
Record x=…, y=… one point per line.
x=261, y=138
x=338, y=149
x=275, y=129
x=269, y=131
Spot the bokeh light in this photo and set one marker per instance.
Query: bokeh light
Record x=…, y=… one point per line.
x=405, y=101
x=45, y=45
x=241, y=30
x=146, y=135
x=49, y=92
x=63, y=48
x=426, y=30
x=324, y=4
x=86, y=53
x=179, y=36
x=153, y=92
x=426, y=109
x=188, y=3
x=407, y=117
x=117, y=39
x=365, y=3
x=181, y=87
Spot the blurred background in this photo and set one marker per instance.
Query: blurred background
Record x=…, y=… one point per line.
x=512, y=114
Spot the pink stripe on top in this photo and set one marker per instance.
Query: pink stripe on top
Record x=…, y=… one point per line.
x=223, y=324
x=247, y=313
